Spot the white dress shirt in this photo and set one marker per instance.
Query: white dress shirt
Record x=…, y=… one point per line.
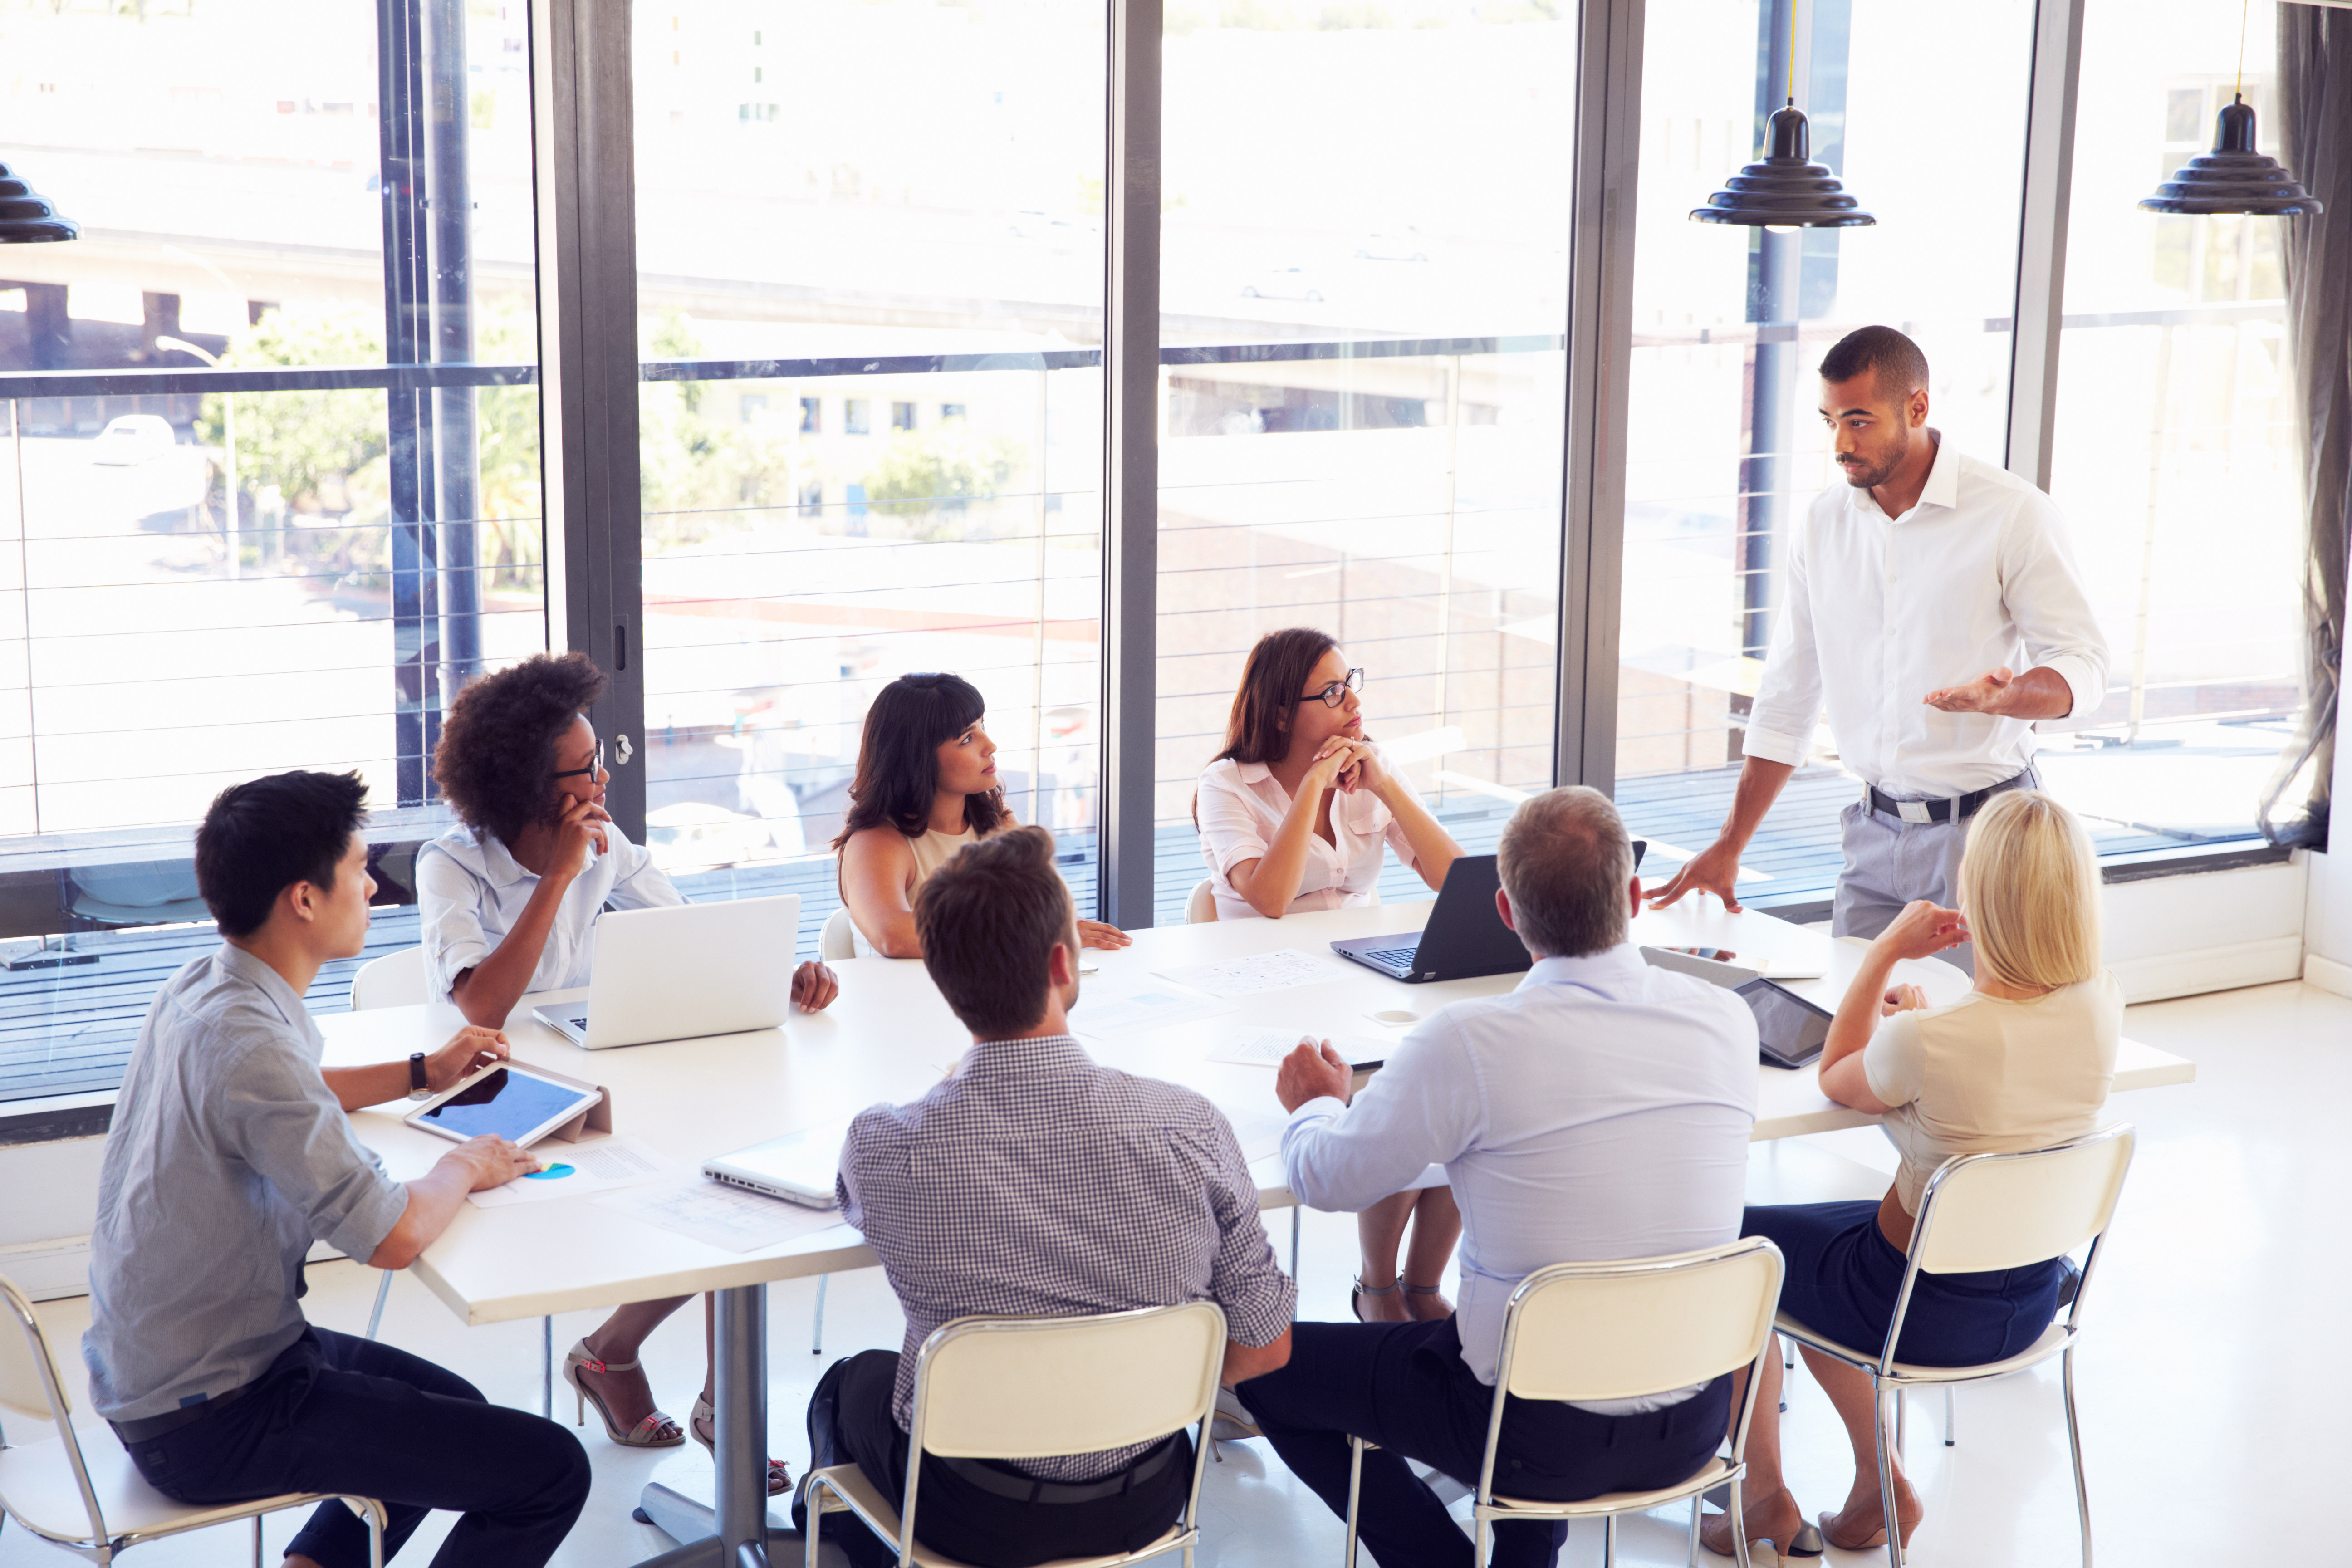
x=470, y=893
x=1601, y=1110
x=1876, y=612
x=1240, y=807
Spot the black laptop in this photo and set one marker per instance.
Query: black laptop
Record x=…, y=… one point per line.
x=1465, y=937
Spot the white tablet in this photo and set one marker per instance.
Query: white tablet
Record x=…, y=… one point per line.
x=505, y=1100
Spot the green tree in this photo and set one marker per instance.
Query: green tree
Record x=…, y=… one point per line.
x=931, y=477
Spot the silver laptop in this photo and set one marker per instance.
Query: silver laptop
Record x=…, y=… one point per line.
x=683, y=972
x=799, y=1167
x=1714, y=971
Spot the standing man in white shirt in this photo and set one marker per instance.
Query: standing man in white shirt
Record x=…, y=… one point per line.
x=1600, y=1110
x=1929, y=568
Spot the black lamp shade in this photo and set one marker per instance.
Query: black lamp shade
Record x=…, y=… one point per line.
x=2233, y=177
x=1787, y=189
x=26, y=217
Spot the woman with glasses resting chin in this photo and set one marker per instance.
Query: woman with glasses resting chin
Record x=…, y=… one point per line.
x=926, y=786
x=508, y=903
x=1296, y=812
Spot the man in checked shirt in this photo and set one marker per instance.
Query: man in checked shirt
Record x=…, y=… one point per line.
x=1036, y=1183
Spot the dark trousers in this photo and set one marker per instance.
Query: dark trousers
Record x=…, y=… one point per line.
x=1405, y=1387
x=336, y=1414
x=850, y=1422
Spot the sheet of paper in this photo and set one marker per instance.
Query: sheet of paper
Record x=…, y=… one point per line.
x=1260, y=1134
x=1140, y=1011
x=1263, y=972
x=1266, y=1048
x=721, y=1216
x=575, y=1170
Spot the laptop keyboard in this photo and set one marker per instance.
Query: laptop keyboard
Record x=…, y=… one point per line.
x=1395, y=957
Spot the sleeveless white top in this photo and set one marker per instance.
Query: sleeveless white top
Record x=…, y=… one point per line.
x=933, y=851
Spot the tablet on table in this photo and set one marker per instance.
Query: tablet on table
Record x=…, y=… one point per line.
x=505, y=1100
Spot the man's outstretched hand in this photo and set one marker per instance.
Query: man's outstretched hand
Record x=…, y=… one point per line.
x=1713, y=869
x=1994, y=692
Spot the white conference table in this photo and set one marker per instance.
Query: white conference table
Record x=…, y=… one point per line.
x=889, y=1036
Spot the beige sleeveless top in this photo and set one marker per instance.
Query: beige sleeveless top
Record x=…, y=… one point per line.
x=933, y=851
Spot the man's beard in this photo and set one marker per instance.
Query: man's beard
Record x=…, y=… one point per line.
x=1869, y=477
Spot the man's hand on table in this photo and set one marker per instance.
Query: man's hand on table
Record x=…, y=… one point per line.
x=490, y=1161
x=1713, y=869
x=469, y=1049
x=1313, y=1071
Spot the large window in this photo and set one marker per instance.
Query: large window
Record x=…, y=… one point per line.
x=1361, y=393
x=1729, y=325
x=2175, y=434
x=269, y=482
x=871, y=417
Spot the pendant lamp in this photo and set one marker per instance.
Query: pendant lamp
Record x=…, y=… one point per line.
x=2233, y=177
x=1788, y=190
x=27, y=218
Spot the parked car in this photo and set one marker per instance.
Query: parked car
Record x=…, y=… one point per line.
x=131, y=439
x=1284, y=283
x=695, y=836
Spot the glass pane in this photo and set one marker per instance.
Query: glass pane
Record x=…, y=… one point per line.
x=1362, y=384
x=871, y=413
x=2176, y=411
x=1729, y=325
x=273, y=557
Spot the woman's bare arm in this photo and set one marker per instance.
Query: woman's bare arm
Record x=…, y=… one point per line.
x=876, y=865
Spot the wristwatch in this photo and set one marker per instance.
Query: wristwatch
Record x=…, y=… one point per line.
x=417, y=1088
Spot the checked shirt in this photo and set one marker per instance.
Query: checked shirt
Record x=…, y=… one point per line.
x=1036, y=1183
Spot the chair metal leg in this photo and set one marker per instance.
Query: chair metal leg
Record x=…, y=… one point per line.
x=1297, y=1212
x=2074, y=1444
x=1949, y=1438
x=547, y=1368
x=817, y=1334
x=1881, y=1397
x=256, y=1526
x=1739, y=1526
x=1695, y=1518
x=375, y=1319
x=1355, y=1493
x=1902, y=1409
x=1609, y=1541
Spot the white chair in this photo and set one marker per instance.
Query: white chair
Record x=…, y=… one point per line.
x=1986, y=1212
x=1024, y=1388
x=1200, y=908
x=1619, y=1330
x=395, y=980
x=97, y=1506
x=839, y=941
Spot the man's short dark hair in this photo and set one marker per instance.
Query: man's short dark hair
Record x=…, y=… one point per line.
x=261, y=837
x=1902, y=368
x=989, y=920
x=1565, y=863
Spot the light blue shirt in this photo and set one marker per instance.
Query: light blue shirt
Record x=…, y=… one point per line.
x=1600, y=1110
x=227, y=1156
x=471, y=891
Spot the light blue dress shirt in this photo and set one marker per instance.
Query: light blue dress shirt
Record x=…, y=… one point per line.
x=228, y=1157
x=1600, y=1110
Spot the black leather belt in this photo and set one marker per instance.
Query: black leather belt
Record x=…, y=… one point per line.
x=988, y=1478
x=1957, y=809
x=147, y=1428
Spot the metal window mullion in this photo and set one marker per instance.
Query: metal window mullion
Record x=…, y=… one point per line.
x=1600, y=347
x=2037, y=319
x=583, y=173
x=1130, y=603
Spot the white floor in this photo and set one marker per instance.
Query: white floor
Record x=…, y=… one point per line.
x=2213, y=1380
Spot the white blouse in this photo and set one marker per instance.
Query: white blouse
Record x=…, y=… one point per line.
x=470, y=893
x=1240, y=807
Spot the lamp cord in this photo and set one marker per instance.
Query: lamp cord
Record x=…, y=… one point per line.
x=2238, y=94
x=1792, y=52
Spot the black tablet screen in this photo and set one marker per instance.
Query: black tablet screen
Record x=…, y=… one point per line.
x=508, y=1104
x=1792, y=1031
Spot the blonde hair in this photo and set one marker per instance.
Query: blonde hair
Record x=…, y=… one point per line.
x=2030, y=889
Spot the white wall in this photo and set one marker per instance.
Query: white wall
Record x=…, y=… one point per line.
x=49, y=1201
x=2212, y=931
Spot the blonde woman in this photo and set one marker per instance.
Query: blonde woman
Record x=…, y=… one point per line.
x=2024, y=1060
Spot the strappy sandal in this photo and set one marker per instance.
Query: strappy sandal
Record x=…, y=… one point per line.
x=1355, y=1297
x=703, y=1423
x=1422, y=1290
x=655, y=1431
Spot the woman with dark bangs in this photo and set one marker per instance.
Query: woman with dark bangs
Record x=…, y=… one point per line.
x=507, y=904
x=925, y=787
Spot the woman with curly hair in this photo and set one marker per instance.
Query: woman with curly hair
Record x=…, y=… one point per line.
x=925, y=787
x=508, y=901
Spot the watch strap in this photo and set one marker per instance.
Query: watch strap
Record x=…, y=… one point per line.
x=418, y=1089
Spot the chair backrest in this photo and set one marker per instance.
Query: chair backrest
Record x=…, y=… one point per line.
x=1023, y=1388
x=29, y=1380
x=1644, y=1325
x=1201, y=908
x=1984, y=1212
x=838, y=940
x=395, y=980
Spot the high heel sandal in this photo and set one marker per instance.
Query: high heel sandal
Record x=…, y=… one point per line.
x=703, y=1423
x=655, y=1431
x=1355, y=1297
x=1877, y=1536
x=1422, y=1290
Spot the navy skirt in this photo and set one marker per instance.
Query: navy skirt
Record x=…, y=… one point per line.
x=1843, y=1276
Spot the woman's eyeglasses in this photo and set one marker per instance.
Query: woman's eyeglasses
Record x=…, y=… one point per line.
x=1336, y=692
x=591, y=770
